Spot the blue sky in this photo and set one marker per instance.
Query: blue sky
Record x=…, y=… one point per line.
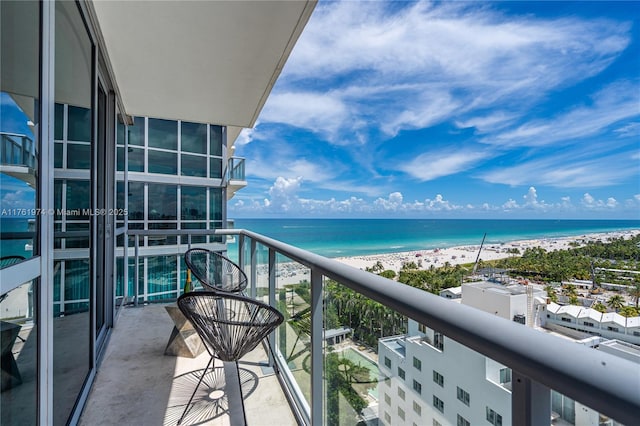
x=452, y=110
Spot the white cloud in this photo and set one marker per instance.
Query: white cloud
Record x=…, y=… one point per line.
x=566, y=171
x=591, y=203
x=436, y=61
x=611, y=105
x=432, y=165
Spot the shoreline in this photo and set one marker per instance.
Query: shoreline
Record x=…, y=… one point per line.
x=468, y=253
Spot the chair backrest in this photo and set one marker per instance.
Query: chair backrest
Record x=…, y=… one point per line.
x=229, y=325
x=215, y=272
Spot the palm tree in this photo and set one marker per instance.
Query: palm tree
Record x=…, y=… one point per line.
x=600, y=307
x=615, y=302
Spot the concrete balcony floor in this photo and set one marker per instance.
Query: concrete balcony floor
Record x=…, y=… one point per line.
x=137, y=384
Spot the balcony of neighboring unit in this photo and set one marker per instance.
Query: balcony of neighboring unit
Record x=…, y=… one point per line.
x=369, y=375
x=18, y=157
x=235, y=176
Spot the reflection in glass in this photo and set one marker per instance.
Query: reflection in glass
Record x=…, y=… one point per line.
x=162, y=276
x=194, y=203
x=79, y=124
x=160, y=240
x=136, y=201
x=194, y=165
x=216, y=140
x=19, y=336
x=195, y=239
x=216, y=168
x=19, y=85
x=215, y=204
x=136, y=159
x=162, y=162
x=194, y=137
x=78, y=156
x=163, y=134
x=162, y=202
x=57, y=155
x=71, y=321
x=136, y=132
x=78, y=197
x=58, y=132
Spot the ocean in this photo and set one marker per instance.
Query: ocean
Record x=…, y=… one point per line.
x=355, y=237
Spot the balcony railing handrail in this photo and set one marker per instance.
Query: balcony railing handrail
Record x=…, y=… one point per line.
x=601, y=381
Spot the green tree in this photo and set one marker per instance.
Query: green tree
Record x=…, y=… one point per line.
x=615, y=302
x=629, y=311
x=551, y=293
x=600, y=307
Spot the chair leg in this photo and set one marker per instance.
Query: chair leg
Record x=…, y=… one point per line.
x=184, y=413
x=244, y=414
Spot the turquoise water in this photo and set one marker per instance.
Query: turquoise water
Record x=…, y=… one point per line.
x=353, y=237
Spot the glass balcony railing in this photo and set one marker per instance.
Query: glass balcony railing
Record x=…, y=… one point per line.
x=235, y=169
x=356, y=348
x=17, y=150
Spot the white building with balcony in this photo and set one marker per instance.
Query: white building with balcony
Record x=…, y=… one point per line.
x=434, y=380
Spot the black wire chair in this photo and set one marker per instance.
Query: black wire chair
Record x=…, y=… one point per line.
x=215, y=272
x=229, y=325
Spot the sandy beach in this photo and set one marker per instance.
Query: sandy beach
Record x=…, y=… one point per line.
x=467, y=254
x=292, y=273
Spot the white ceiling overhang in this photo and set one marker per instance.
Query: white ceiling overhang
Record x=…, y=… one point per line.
x=204, y=61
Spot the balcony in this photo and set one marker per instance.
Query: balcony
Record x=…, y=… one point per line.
x=234, y=176
x=18, y=157
x=360, y=377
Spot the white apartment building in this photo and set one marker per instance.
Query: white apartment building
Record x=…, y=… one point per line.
x=434, y=380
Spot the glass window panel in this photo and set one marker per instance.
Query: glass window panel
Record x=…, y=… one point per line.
x=163, y=162
x=136, y=201
x=78, y=197
x=216, y=168
x=163, y=202
x=215, y=204
x=193, y=165
x=58, y=129
x=78, y=156
x=136, y=159
x=78, y=242
x=18, y=399
x=19, y=82
x=79, y=124
x=216, y=140
x=120, y=131
x=195, y=239
x=194, y=137
x=136, y=132
x=162, y=275
x=216, y=238
x=120, y=159
x=160, y=240
x=57, y=155
x=194, y=203
x=163, y=133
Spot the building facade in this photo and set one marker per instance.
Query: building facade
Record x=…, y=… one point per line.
x=434, y=380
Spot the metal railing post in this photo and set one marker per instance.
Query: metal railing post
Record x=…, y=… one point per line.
x=317, y=340
x=254, y=266
x=530, y=401
x=135, y=272
x=272, y=296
